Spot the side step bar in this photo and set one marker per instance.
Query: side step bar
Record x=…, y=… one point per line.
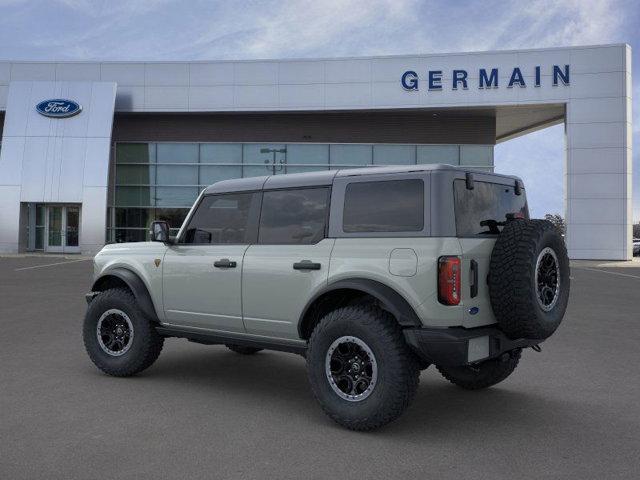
x=210, y=338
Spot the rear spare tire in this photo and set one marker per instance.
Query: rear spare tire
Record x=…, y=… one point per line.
x=529, y=279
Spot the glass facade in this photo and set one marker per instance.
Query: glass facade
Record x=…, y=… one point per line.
x=160, y=181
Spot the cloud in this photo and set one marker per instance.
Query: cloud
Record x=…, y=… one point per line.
x=163, y=29
x=546, y=23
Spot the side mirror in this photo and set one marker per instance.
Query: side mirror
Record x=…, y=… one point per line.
x=159, y=231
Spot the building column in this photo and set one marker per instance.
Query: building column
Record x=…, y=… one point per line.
x=9, y=217
x=598, y=176
x=93, y=220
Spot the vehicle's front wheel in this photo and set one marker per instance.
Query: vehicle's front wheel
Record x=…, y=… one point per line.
x=120, y=340
x=361, y=371
x=482, y=375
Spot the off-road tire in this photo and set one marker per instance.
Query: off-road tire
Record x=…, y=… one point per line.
x=242, y=350
x=482, y=375
x=512, y=279
x=146, y=344
x=398, y=368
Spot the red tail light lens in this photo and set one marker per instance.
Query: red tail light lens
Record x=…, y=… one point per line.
x=449, y=280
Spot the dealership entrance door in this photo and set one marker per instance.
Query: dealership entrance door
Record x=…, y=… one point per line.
x=54, y=228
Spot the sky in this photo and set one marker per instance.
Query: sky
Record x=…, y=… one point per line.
x=252, y=29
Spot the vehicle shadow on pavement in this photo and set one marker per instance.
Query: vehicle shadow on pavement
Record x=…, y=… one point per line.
x=508, y=410
x=278, y=383
x=265, y=373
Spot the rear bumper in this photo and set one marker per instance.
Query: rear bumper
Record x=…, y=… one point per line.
x=461, y=346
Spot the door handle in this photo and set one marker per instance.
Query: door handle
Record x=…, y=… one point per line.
x=224, y=263
x=474, y=279
x=306, y=265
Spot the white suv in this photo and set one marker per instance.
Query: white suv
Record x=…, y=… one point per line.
x=371, y=274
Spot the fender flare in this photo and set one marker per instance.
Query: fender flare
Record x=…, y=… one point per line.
x=389, y=299
x=135, y=284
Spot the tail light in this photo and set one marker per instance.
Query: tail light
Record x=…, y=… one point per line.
x=449, y=280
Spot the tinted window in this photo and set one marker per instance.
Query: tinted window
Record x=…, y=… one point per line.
x=389, y=206
x=228, y=218
x=483, y=210
x=294, y=216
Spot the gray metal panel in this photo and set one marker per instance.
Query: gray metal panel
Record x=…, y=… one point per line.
x=393, y=126
x=309, y=179
x=236, y=185
x=337, y=203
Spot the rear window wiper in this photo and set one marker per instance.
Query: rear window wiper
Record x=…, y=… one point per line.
x=493, y=225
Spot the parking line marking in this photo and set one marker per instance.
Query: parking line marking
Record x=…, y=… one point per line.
x=610, y=273
x=51, y=264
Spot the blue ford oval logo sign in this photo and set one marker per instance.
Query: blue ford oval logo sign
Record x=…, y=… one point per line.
x=58, y=108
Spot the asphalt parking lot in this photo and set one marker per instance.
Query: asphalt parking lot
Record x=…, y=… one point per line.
x=572, y=411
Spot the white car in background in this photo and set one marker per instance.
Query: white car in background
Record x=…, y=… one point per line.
x=636, y=247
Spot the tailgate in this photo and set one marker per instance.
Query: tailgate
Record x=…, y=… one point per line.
x=476, y=255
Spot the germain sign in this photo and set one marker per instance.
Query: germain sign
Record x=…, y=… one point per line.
x=58, y=108
x=487, y=78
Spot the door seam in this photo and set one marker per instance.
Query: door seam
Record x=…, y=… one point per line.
x=330, y=258
x=244, y=325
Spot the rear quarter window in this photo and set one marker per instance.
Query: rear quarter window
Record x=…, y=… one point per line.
x=484, y=210
x=384, y=206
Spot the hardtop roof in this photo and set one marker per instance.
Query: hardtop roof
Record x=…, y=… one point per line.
x=326, y=177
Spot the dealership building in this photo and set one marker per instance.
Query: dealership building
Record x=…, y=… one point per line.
x=92, y=152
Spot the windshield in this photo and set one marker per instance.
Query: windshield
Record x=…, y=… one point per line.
x=484, y=210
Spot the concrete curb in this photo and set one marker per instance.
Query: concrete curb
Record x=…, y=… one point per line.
x=635, y=263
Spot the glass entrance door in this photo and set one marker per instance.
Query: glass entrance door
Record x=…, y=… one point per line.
x=62, y=229
x=72, y=229
x=54, y=229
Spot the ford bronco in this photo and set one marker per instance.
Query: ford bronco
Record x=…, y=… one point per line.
x=371, y=274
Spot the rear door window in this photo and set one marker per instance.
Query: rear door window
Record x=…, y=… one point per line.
x=295, y=216
x=484, y=210
x=384, y=206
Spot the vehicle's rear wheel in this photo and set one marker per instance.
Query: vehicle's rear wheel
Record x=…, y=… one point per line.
x=529, y=279
x=361, y=371
x=482, y=375
x=243, y=350
x=118, y=337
